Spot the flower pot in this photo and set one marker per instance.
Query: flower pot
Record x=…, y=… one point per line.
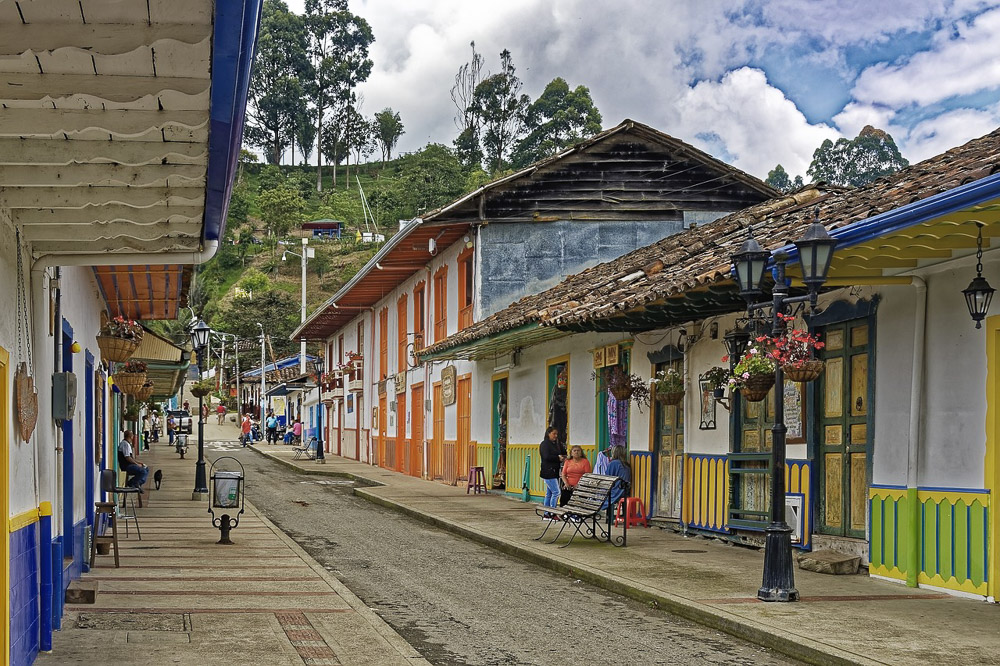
x=146, y=392
x=621, y=392
x=806, y=372
x=671, y=398
x=116, y=349
x=129, y=383
x=199, y=391
x=756, y=387
x=718, y=392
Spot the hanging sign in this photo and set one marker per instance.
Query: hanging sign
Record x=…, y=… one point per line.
x=448, y=385
x=26, y=401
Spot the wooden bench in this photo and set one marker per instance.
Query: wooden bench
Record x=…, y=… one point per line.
x=309, y=449
x=589, y=511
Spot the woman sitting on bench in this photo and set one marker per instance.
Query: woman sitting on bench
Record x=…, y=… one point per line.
x=621, y=468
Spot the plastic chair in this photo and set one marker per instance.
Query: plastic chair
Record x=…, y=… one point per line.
x=632, y=511
x=128, y=495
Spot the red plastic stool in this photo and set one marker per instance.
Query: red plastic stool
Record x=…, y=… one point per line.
x=477, y=480
x=634, y=512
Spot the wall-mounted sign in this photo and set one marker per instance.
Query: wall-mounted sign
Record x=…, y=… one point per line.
x=611, y=355
x=400, y=383
x=448, y=385
x=598, y=358
x=381, y=387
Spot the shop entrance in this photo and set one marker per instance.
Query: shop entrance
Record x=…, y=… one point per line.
x=499, y=431
x=668, y=424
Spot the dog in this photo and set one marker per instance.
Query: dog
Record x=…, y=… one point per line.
x=157, y=478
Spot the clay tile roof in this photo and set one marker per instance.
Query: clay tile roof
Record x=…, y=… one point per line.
x=699, y=257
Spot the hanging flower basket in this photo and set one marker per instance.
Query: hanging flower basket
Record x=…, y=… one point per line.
x=200, y=391
x=129, y=383
x=756, y=387
x=116, y=349
x=671, y=398
x=146, y=392
x=805, y=371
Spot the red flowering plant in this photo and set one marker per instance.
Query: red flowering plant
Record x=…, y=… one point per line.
x=796, y=347
x=133, y=366
x=757, y=360
x=119, y=327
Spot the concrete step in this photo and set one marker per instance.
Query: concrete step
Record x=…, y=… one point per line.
x=82, y=592
x=829, y=562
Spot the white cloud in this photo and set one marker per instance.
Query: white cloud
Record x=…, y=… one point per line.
x=936, y=135
x=759, y=126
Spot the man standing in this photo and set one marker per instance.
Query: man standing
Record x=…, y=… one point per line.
x=128, y=463
x=272, y=428
x=171, y=429
x=220, y=412
x=245, y=430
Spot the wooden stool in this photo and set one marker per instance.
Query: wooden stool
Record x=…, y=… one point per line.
x=477, y=480
x=104, y=509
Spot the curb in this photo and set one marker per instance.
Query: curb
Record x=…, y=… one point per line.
x=797, y=647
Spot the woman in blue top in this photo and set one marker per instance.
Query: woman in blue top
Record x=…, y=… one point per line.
x=552, y=455
x=621, y=468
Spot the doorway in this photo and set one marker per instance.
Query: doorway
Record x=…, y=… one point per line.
x=557, y=396
x=499, y=431
x=417, y=430
x=845, y=391
x=67, y=443
x=668, y=424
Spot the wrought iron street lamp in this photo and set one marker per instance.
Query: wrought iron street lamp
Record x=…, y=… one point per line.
x=815, y=251
x=318, y=366
x=199, y=339
x=979, y=293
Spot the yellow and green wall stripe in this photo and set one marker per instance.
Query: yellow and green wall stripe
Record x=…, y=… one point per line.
x=946, y=546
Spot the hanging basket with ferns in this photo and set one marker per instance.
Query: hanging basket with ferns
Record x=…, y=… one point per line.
x=203, y=388
x=670, y=399
x=146, y=392
x=116, y=349
x=129, y=383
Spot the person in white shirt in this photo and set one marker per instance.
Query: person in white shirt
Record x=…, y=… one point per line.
x=128, y=463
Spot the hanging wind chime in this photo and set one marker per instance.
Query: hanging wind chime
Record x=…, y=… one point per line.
x=25, y=396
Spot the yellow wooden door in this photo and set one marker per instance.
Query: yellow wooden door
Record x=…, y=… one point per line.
x=669, y=445
x=844, y=439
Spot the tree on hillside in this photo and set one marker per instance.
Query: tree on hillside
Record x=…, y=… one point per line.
x=281, y=208
x=778, y=179
x=559, y=118
x=869, y=156
x=358, y=137
x=466, y=80
x=276, y=87
x=339, y=42
x=389, y=127
x=500, y=108
x=277, y=310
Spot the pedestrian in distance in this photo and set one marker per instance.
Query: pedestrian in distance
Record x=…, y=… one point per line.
x=145, y=432
x=171, y=429
x=575, y=466
x=552, y=455
x=128, y=462
x=272, y=428
x=155, y=425
x=245, y=430
x=220, y=413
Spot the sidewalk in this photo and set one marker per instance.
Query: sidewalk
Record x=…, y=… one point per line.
x=840, y=620
x=179, y=598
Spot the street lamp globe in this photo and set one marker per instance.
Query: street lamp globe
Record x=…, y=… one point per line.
x=815, y=253
x=318, y=365
x=736, y=343
x=749, y=265
x=199, y=334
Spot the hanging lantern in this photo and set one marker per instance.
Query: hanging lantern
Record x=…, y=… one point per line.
x=749, y=264
x=979, y=293
x=815, y=253
x=736, y=343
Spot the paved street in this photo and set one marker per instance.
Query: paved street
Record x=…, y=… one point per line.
x=459, y=602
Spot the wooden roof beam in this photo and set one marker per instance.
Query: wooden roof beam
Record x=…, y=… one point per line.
x=73, y=175
x=78, y=197
x=106, y=213
x=66, y=151
x=101, y=38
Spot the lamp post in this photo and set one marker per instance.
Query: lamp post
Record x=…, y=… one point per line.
x=307, y=254
x=318, y=365
x=815, y=252
x=263, y=375
x=199, y=339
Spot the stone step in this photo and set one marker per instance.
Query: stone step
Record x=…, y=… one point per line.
x=82, y=592
x=829, y=562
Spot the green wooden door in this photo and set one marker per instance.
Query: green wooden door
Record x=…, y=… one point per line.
x=669, y=445
x=844, y=435
x=499, y=434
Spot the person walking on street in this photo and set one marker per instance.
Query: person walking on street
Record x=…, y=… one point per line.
x=220, y=412
x=272, y=428
x=552, y=455
x=245, y=430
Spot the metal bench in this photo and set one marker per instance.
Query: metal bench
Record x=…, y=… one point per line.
x=590, y=510
x=309, y=449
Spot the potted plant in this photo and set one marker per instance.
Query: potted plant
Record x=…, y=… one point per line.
x=131, y=413
x=624, y=386
x=668, y=387
x=795, y=352
x=718, y=379
x=753, y=376
x=119, y=338
x=130, y=377
x=203, y=387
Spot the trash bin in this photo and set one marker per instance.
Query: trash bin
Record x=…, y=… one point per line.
x=227, y=489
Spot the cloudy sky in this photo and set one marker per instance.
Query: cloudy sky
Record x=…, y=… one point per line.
x=754, y=83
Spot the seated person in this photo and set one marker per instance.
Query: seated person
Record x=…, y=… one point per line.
x=575, y=466
x=128, y=463
x=620, y=467
x=297, y=430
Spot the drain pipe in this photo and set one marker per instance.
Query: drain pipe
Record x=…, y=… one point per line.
x=913, y=448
